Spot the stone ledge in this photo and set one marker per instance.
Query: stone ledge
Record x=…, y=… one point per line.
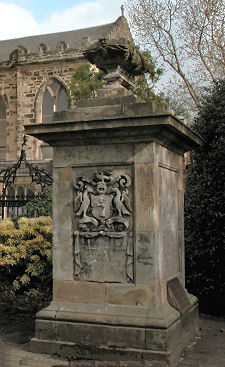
x=106, y=342
x=127, y=128
x=115, y=315
x=108, y=314
x=96, y=353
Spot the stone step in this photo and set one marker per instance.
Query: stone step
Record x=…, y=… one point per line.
x=92, y=363
x=19, y=356
x=42, y=360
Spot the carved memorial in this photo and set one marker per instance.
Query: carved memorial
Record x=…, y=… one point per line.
x=107, y=55
x=118, y=259
x=102, y=232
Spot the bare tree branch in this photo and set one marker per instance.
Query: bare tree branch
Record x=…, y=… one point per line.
x=187, y=35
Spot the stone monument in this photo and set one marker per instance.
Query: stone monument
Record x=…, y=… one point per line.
x=118, y=244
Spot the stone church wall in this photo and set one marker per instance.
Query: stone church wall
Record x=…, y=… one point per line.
x=26, y=70
x=31, y=85
x=24, y=86
x=27, y=67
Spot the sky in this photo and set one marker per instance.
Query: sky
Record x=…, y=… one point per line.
x=21, y=18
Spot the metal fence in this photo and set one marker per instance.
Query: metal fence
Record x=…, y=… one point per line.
x=16, y=193
x=12, y=208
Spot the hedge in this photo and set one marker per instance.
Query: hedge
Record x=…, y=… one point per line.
x=205, y=207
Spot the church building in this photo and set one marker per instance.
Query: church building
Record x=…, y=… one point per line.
x=35, y=74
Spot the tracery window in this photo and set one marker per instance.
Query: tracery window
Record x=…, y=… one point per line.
x=2, y=122
x=54, y=100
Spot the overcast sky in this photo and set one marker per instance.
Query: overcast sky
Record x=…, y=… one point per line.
x=21, y=18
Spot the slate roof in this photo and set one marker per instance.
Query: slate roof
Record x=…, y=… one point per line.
x=72, y=38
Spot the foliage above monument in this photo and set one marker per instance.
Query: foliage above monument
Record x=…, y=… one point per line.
x=85, y=81
x=145, y=83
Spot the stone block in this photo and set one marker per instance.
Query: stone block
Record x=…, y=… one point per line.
x=94, y=102
x=92, y=154
x=81, y=363
x=105, y=364
x=63, y=174
x=131, y=363
x=133, y=295
x=145, y=258
x=87, y=334
x=144, y=153
x=63, y=234
x=92, y=313
x=157, y=339
x=144, y=197
x=80, y=292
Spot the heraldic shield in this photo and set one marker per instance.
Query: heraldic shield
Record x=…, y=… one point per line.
x=102, y=208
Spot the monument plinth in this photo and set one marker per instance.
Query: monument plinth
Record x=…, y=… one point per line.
x=118, y=245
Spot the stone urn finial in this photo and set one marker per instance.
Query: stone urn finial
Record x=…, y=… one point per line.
x=108, y=55
x=117, y=57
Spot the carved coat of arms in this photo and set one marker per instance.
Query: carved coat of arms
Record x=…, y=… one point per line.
x=102, y=203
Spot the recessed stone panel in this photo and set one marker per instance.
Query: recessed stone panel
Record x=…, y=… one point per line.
x=103, y=223
x=101, y=259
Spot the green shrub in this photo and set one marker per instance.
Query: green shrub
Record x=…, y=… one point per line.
x=86, y=80
x=205, y=209
x=26, y=263
x=40, y=205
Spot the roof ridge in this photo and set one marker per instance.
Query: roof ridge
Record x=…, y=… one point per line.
x=57, y=33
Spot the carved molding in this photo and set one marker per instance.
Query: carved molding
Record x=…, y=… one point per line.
x=102, y=204
x=109, y=54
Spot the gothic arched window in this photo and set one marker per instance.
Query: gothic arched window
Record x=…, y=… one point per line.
x=2, y=122
x=54, y=100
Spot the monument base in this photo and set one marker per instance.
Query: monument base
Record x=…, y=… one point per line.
x=112, y=332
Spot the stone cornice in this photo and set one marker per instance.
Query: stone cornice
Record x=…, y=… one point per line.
x=119, y=123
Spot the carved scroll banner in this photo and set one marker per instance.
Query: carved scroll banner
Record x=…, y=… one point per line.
x=103, y=229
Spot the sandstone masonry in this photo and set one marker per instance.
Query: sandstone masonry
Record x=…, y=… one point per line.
x=27, y=66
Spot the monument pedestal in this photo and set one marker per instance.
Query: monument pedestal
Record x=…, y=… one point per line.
x=118, y=246
x=114, y=332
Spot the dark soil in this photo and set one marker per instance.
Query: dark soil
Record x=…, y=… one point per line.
x=208, y=348
x=16, y=326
